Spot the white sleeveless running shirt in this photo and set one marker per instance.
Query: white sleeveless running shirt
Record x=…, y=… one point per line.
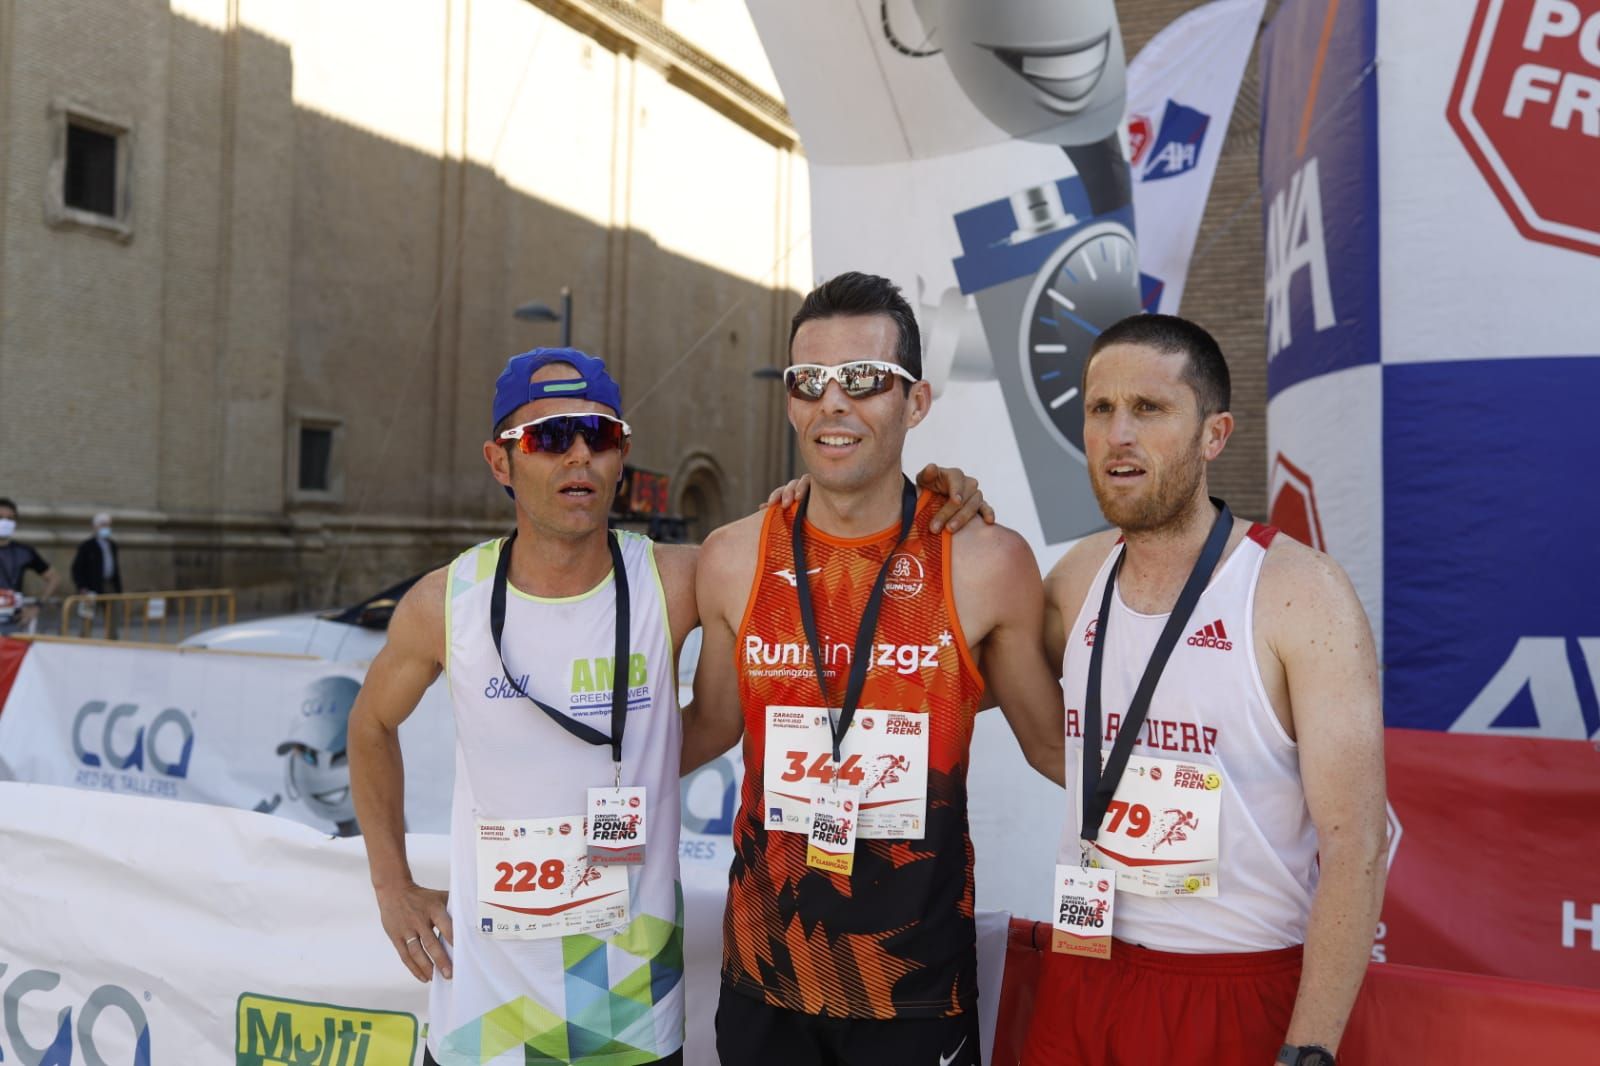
x=1210, y=708
x=610, y=999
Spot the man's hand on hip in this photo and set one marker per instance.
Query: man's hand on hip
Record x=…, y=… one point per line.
x=416, y=919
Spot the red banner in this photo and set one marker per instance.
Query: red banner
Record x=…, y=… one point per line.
x=1405, y=1014
x=1416, y=1016
x=11, y=653
x=1494, y=870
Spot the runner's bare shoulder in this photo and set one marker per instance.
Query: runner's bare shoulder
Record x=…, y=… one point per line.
x=1301, y=588
x=990, y=553
x=417, y=627
x=1068, y=581
x=727, y=564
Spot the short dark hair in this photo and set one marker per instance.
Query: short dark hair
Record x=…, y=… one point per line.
x=1205, y=370
x=855, y=293
x=7, y=501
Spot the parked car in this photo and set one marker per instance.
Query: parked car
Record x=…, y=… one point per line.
x=350, y=634
x=355, y=633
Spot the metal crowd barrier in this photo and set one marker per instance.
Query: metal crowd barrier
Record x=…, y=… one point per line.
x=147, y=616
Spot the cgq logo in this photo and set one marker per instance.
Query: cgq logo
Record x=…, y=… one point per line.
x=95, y=749
x=96, y=1026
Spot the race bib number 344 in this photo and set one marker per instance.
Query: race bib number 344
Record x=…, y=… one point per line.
x=536, y=880
x=884, y=758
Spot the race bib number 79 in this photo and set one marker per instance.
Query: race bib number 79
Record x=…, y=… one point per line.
x=1160, y=831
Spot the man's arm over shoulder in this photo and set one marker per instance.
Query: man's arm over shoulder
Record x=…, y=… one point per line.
x=1000, y=599
x=1315, y=626
x=1066, y=587
x=408, y=663
x=714, y=721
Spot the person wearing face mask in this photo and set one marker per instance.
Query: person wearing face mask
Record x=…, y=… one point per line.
x=16, y=559
x=96, y=568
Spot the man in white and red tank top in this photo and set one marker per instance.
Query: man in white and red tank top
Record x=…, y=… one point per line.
x=1245, y=834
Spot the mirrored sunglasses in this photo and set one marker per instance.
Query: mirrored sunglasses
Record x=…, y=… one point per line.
x=555, y=433
x=860, y=379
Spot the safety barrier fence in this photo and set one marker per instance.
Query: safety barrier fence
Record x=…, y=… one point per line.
x=157, y=616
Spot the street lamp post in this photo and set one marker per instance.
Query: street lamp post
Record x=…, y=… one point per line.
x=772, y=373
x=537, y=312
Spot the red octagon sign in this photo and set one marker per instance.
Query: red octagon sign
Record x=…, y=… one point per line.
x=1294, y=504
x=1526, y=104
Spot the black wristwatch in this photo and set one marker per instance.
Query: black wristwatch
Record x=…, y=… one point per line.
x=1305, y=1055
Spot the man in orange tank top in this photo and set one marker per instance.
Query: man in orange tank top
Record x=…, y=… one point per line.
x=1269, y=700
x=850, y=645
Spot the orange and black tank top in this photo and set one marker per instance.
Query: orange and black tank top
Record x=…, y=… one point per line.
x=895, y=939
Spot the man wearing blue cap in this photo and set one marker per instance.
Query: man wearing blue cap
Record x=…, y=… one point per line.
x=560, y=939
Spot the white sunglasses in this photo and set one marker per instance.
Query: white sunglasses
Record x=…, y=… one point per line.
x=555, y=433
x=860, y=379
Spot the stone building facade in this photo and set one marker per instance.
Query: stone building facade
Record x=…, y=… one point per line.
x=265, y=338
x=269, y=353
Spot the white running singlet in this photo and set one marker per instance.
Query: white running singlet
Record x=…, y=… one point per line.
x=1209, y=708
x=614, y=998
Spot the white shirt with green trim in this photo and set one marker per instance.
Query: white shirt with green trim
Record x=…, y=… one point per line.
x=610, y=999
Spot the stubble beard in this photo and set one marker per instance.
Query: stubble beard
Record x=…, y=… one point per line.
x=1169, y=499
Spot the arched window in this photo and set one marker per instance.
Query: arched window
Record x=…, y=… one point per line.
x=699, y=494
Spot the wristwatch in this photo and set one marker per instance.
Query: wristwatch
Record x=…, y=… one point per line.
x=1048, y=272
x=1305, y=1055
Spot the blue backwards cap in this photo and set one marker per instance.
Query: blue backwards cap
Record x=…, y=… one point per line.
x=514, y=388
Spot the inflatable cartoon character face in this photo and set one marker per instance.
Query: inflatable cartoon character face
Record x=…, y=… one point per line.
x=1042, y=70
x=317, y=771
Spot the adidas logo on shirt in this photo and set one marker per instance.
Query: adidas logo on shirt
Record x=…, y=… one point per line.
x=1212, y=636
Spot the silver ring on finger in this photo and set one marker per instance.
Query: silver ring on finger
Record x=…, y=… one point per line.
x=413, y=940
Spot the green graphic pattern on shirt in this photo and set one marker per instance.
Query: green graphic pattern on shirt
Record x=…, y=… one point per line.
x=609, y=997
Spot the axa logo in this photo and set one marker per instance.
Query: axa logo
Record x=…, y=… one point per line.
x=123, y=738
x=1535, y=692
x=80, y=1035
x=789, y=575
x=1176, y=148
x=270, y=1031
x=1211, y=635
x=1295, y=242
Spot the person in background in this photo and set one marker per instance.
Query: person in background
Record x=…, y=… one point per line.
x=96, y=570
x=16, y=559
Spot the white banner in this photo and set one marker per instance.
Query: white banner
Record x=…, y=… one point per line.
x=139, y=933
x=1181, y=91
x=220, y=933
x=142, y=933
x=246, y=731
